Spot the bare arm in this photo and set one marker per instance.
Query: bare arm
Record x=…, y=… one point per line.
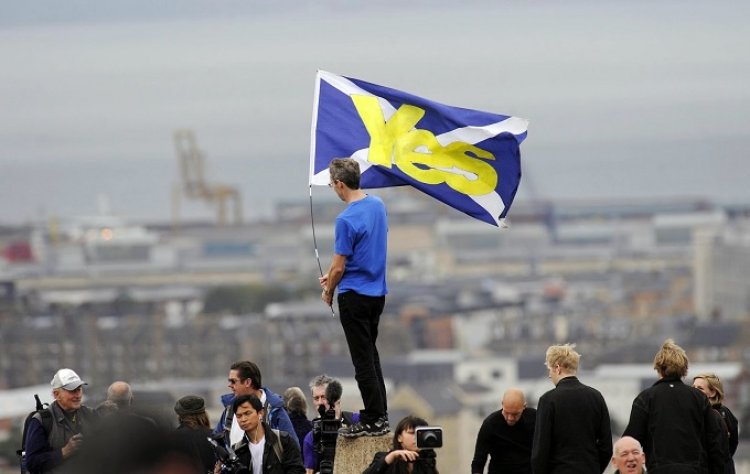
x=330, y=280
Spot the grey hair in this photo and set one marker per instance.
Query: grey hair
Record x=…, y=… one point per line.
x=320, y=380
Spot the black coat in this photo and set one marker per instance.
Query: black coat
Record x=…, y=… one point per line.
x=379, y=466
x=291, y=459
x=193, y=443
x=729, y=436
x=573, y=433
x=678, y=429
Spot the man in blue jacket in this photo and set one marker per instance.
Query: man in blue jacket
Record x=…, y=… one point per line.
x=245, y=379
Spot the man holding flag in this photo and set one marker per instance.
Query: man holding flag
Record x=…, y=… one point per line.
x=358, y=270
x=467, y=159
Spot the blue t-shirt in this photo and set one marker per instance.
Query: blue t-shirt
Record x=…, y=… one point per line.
x=362, y=237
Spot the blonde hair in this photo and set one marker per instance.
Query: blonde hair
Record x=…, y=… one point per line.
x=714, y=383
x=671, y=360
x=563, y=355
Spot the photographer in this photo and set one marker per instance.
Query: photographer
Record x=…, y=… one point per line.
x=319, y=444
x=262, y=450
x=55, y=435
x=406, y=456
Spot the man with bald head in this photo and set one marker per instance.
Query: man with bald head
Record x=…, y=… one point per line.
x=628, y=457
x=506, y=436
x=120, y=393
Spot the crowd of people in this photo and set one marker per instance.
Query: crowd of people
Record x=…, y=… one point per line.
x=674, y=428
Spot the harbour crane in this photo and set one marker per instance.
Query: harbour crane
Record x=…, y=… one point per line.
x=193, y=185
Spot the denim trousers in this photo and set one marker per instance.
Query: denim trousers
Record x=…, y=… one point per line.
x=360, y=315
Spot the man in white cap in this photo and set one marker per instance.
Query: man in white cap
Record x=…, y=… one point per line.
x=56, y=434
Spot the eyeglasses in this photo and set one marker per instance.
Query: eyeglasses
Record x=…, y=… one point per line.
x=332, y=183
x=235, y=381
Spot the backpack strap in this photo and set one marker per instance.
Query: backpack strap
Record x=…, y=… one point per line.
x=278, y=448
x=44, y=416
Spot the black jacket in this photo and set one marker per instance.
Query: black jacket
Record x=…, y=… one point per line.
x=573, y=433
x=290, y=462
x=379, y=466
x=732, y=426
x=677, y=428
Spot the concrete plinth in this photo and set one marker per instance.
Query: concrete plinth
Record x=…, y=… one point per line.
x=353, y=455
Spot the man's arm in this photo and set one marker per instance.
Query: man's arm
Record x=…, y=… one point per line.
x=331, y=279
x=604, y=443
x=292, y=460
x=540, y=449
x=481, y=449
x=638, y=425
x=40, y=456
x=309, y=456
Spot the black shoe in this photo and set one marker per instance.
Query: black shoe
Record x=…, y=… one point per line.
x=376, y=428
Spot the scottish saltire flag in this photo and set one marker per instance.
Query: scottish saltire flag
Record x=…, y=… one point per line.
x=465, y=158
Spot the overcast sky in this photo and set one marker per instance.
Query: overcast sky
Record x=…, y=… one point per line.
x=634, y=99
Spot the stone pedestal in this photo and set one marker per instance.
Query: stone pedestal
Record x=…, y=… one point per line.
x=353, y=455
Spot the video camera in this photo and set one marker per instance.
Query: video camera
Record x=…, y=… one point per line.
x=326, y=429
x=230, y=463
x=428, y=439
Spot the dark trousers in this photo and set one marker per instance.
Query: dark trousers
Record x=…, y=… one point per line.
x=360, y=316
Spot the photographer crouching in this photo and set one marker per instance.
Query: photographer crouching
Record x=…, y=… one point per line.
x=413, y=449
x=319, y=445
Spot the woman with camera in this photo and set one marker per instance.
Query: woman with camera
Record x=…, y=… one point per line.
x=262, y=450
x=405, y=457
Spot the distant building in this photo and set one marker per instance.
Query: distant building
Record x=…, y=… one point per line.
x=722, y=273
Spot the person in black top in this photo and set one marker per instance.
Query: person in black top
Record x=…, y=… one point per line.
x=191, y=436
x=506, y=436
x=404, y=458
x=674, y=422
x=572, y=433
x=296, y=406
x=711, y=385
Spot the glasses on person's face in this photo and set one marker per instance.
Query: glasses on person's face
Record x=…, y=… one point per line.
x=235, y=381
x=332, y=183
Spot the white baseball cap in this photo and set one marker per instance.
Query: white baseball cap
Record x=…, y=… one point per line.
x=67, y=379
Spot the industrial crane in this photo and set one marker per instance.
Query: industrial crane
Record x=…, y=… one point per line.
x=193, y=185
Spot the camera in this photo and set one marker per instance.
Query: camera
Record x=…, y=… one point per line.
x=429, y=437
x=230, y=463
x=325, y=432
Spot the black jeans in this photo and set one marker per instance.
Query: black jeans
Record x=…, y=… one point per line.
x=360, y=316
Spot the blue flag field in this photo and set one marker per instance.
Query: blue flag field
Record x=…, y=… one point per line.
x=468, y=159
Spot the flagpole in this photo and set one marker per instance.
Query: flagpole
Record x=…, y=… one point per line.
x=315, y=244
